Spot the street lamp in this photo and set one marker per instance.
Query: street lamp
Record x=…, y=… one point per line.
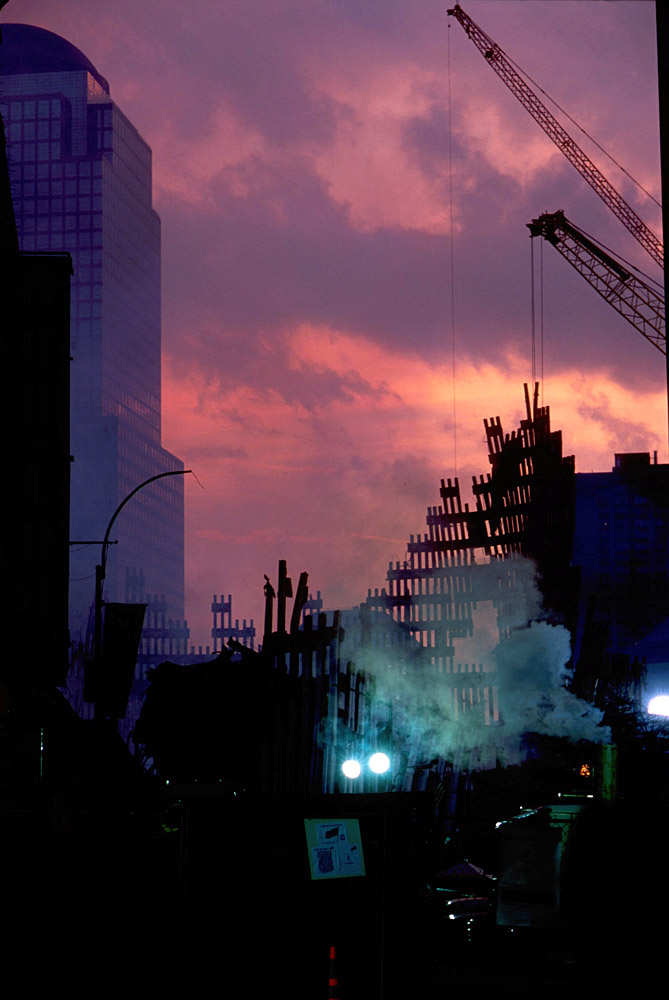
x=100, y=570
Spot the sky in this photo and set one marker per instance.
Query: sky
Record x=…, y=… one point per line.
x=344, y=188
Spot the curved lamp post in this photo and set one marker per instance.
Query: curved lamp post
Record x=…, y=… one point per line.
x=100, y=570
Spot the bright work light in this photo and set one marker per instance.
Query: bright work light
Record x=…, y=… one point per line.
x=351, y=768
x=659, y=705
x=379, y=763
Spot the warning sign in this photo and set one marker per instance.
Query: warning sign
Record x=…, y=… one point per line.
x=335, y=848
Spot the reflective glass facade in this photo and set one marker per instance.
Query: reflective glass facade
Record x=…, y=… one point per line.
x=81, y=182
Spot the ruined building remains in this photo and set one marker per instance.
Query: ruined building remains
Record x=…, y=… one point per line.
x=481, y=567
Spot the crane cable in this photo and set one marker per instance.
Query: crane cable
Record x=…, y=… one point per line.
x=533, y=324
x=592, y=139
x=452, y=255
x=533, y=311
x=541, y=314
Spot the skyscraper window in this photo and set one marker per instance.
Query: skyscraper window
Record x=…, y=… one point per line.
x=81, y=182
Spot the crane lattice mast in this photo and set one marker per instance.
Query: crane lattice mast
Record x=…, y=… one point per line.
x=640, y=304
x=497, y=59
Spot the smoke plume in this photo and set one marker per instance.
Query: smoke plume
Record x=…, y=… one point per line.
x=509, y=678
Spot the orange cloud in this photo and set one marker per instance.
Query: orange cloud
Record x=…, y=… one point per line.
x=186, y=165
x=367, y=165
x=338, y=487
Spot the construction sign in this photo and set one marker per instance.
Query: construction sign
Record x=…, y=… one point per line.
x=334, y=847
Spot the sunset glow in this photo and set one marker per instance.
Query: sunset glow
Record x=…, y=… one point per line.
x=329, y=353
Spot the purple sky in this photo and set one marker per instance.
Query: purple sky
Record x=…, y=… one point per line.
x=307, y=178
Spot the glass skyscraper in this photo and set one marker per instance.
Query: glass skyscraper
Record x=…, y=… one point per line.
x=81, y=181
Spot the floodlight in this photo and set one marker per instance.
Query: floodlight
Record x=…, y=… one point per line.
x=351, y=768
x=379, y=763
x=659, y=705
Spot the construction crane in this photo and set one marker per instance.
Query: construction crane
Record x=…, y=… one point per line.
x=640, y=304
x=496, y=58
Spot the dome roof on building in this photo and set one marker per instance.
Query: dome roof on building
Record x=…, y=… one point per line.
x=28, y=49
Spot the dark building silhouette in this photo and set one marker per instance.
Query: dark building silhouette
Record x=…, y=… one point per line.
x=34, y=415
x=81, y=182
x=36, y=466
x=621, y=543
x=223, y=629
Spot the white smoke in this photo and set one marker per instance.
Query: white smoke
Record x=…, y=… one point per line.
x=532, y=671
x=510, y=680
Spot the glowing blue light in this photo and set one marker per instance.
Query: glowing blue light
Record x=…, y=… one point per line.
x=659, y=705
x=351, y=768
x=379, y=762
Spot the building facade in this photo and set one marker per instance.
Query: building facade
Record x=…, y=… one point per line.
x=81, y=182
x=35, y=471
x=621, y=545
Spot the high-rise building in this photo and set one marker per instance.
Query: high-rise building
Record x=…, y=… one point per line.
x=80, y=177
x=34, y=407
x=621, y=544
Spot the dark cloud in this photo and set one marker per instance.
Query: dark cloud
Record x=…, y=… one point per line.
x=271, y=238
x=412, y=477
x=266, y=270
x=246, y=59
x=427, y=137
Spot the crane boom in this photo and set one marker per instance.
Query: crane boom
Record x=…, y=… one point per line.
x=504, y=69
x=632, y=298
